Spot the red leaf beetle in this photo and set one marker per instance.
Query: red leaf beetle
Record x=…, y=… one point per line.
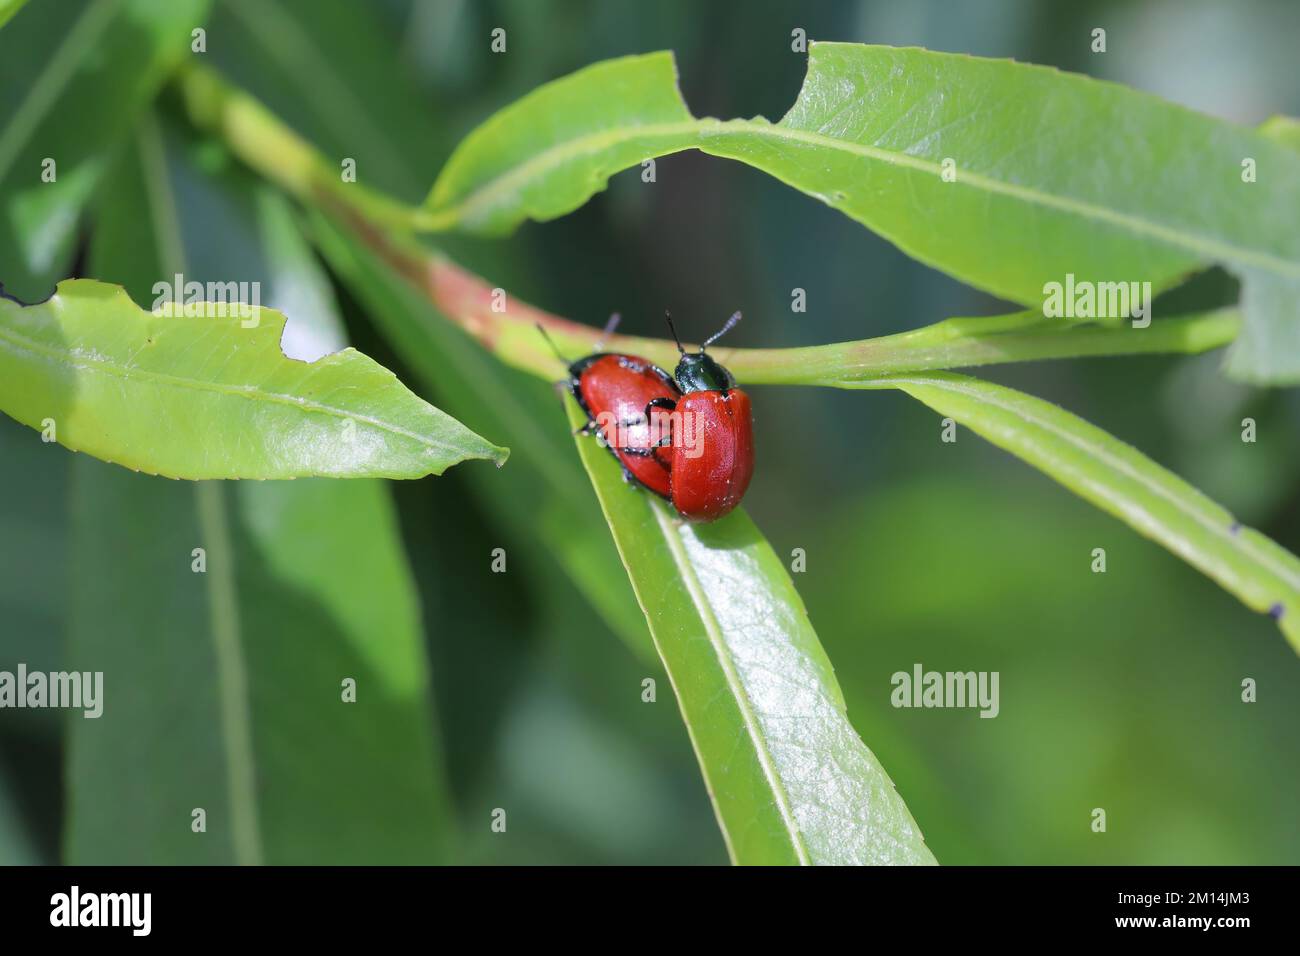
x=616, y=392
x=712, y=434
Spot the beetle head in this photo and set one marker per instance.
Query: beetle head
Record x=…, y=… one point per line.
x=698, y=372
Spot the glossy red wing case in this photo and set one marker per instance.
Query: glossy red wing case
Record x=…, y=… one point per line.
x=614, y=391
x=713, y=453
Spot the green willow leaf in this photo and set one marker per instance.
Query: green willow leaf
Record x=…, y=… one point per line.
x=67, y=103
x=223, y=690
x=790, y=779
x=1053, y=174
x=212, y=395
x=1120, y=480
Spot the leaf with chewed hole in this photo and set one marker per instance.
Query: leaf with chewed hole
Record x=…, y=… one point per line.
x=970, y=165
x=210, y=395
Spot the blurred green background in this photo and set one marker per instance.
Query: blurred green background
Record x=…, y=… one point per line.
x=1119, y=690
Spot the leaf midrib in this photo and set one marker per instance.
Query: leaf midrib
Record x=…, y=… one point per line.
x=502, y=186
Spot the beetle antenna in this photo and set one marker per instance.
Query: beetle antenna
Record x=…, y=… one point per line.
x=731, y=323
x=673, y=329
x=551, y=343
x=610, y=326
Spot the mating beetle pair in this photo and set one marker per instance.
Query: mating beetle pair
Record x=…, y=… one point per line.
x=704, y=462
